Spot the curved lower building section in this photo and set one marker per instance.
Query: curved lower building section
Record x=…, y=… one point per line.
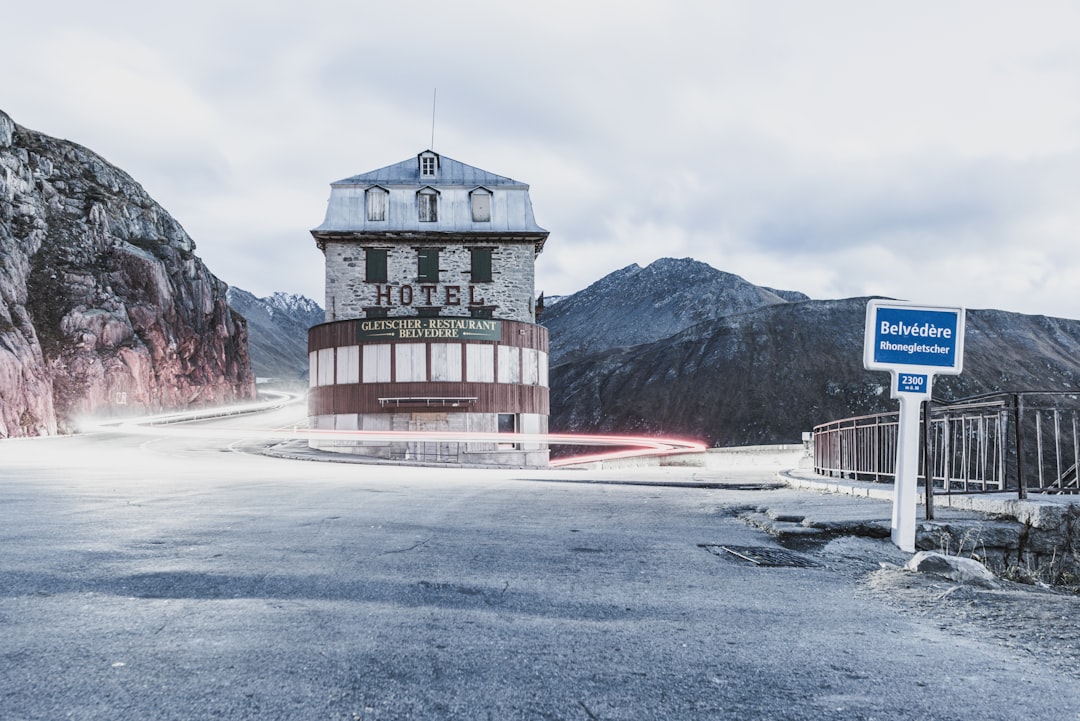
x=438, y=374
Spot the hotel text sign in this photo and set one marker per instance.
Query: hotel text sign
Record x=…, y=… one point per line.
x=371, y=330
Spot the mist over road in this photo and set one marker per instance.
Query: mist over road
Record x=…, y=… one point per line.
x=179, y=577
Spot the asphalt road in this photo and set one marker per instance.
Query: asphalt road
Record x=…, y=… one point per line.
x=183, y=578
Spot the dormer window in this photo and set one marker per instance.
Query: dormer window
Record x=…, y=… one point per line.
x=429, y=164
x=375, y=198
x=428, y=205
x=480, y=200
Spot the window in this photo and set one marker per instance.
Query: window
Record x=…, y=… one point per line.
x=479, y=363
x=446, y=361
x=376, y=363
x=509, y=364
x=484, y=312
x=429, y=164
x=348, y=364
x=530, y=367
x=375, y=265
x=376, y=203
x=410, y=362
x=480, y=267
x=376, y=312
x=507, y=423
x=428, y=200
x=541, y=368
x=326, y=367
x=481, y=205
x=427, y=265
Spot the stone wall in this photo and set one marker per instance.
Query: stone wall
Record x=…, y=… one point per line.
x=1031, y=540
x=510, y=292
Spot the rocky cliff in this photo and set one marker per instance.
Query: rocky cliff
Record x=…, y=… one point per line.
x=104, y=306
x=767, y=374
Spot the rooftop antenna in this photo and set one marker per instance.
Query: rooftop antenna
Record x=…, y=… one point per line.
x=434, y=93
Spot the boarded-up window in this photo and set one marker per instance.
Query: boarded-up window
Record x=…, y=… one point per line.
x=509, y=364
x=376, y=203
x=376, y=363
x=446, y=362
x=542, y=368
x=480, y=363
x=530, y=372
x=427, y=265
x=428, y=200
x=313, y=369
x=480, y=265
x=348, y=364
x=326, y=367
x=410, y=362
x=375, y=265
x=481, y=205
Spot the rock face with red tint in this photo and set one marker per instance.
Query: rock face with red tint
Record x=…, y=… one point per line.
x=104, y=307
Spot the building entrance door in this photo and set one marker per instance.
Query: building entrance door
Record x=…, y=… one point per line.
x=435, y=450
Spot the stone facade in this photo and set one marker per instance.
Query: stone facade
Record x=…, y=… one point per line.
x=508, y=295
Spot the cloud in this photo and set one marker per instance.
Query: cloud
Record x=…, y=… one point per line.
x=923, y=151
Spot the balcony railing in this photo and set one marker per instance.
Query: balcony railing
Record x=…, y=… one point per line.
x=1022, y=442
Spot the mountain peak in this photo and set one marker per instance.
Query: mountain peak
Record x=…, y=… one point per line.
x=636, y=305
x=277, y=332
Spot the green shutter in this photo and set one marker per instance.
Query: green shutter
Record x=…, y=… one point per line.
x=427, y=265
x=375, y=271
x=481, y=265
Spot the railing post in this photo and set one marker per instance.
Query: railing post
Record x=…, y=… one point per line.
x=1018, y=409
x=928, y=468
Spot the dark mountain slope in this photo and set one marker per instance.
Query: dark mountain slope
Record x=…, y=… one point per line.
x=767, y=375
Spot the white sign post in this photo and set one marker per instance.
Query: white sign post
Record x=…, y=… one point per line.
x=914, y=343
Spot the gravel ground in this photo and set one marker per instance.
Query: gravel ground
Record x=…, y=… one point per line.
x=1039, y=621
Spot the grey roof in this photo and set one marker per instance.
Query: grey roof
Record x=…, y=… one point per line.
x=451, y=172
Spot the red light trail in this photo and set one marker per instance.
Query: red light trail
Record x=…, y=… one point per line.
x=170, y=424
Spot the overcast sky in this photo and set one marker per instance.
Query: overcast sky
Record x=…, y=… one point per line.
x=928, y=151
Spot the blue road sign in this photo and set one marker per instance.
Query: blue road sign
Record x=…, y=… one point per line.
x=901, y=337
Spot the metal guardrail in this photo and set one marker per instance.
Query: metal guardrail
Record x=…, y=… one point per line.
x=1024, y=442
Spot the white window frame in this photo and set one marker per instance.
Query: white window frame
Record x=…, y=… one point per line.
x=429, y=165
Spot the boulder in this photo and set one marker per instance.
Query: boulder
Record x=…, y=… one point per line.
x=956, y=568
